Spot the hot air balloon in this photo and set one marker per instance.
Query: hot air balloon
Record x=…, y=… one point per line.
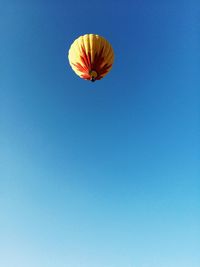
x=91, y=57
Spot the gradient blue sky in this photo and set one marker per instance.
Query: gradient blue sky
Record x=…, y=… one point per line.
x=101, y=174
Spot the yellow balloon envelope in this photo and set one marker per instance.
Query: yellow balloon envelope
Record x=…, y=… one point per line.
x=91, y=57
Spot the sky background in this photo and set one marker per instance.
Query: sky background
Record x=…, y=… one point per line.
x=102, y=174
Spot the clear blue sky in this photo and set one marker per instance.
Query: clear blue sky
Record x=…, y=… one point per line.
x=102, y=174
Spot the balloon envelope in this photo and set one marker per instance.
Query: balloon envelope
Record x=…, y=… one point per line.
x=91, y=57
